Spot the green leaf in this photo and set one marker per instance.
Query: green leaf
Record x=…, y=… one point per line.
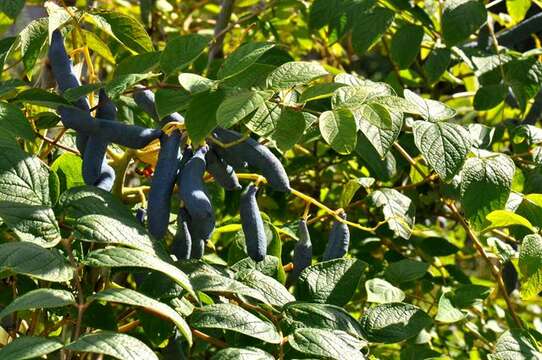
x=32, y=260
x=115, y=230
x=290, y=129
x=515, y=344
x=319, y=91
x=380, y=291
x=524, y=78
x=255, y=76
x=395, y=103
x=331, y=282
x=348, y=192
x=41, y=97
x=11, y=8
x=32, y=39
x=295, y=73
x=406, y=270
x=39, y=299
x=269, y=266
x=375, y=114
x=320, y=316
x=461, y=18
x=393, y=322
x=405, y=45
x=485, y=186
x=518, y=9
x=30, y=347
x=237, y=107
x=398, y=210
x=265, y=119
x=506, y=218
x=530, y=266
x=242, y=58
x=76, y=93
x=531, y=208
x=6, y=45
x=194, y=83
x=382, y=139
x=69, y=169
x=430, y=110
x=370, y=27
x=443, y=145
x=247, y=353
x=201, y=117
x=338, y=128
x=489, y=96
x=468, y=295
x=169, y=101
x=181, y=51
x=216, y=283
x=25, y=205
x=270, y=289
x=138, y=64
x=121, y=83
x=14, y=123
x=447, y=313
x=120, y=257
x=134, y=298
x=234, y=318
x=96, y=44
x=118, y=346
x=437, y=63
x=322, y=344
x=127, y=30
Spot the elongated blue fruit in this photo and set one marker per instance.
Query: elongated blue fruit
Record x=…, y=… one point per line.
x=198, y=248
x=107, y=177
x=223, y=173
x=132, y=136
x=140, y=215
x=193, y=194
x=62, y=68
x=510, y=277
x=302, y=250
x=162, y=183
x=182, y=242
x=256, y=155
x=338, y=241
x=144, y=98
x=252, y=224
x=94, y=161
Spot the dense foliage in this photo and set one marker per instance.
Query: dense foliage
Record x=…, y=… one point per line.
x=260, y=179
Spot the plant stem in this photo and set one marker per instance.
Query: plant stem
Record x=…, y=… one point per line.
x=496, y=274
x=211, y=340
x=120, y=167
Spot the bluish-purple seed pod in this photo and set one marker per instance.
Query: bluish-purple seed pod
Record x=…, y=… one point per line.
x=338, y=241
x=182, y=242
x=302, y=250
x=162, y=184
x=252, y=224
x=94, y=156
x=132, y=136
x=194, y=196
x=223, y=173
x=256, y=155
x=140, y=215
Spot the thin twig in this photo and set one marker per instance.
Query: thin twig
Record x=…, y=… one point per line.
x=496, y=274
x=211, y=340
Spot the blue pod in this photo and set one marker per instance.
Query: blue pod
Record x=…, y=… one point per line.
x=256, y=155
x=223, y=173
x=94, y=156
x=252, y=224
x=64, y=74
x=162, y=184
x=338, y=241
x=132, y=136
x=196, y=200
x=302, y=250
x=198, y=249
x=144, y=98
x=107, y=177
x=140, y=215
x=182, y=242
